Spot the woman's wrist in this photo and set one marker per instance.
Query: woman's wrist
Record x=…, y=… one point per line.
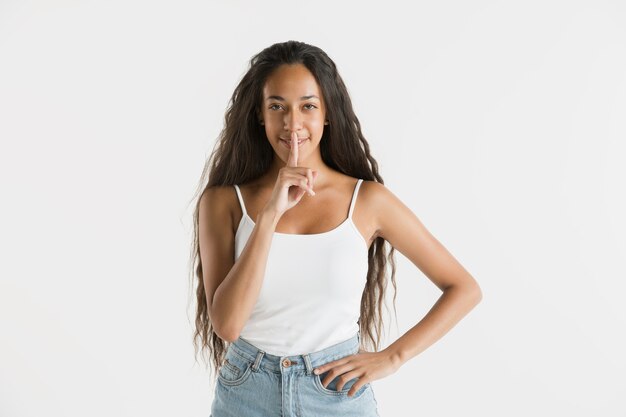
x=269, y=216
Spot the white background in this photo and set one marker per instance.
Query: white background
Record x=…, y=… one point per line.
x=500, y=124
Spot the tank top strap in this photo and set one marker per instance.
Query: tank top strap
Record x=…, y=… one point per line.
x=240, y=198
x=354, y=195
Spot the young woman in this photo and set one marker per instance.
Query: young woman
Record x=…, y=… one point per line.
x=290, y=249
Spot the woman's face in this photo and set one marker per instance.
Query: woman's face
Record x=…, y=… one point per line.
x=292, y=101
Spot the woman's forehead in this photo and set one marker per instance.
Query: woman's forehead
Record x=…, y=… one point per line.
x=291, y=83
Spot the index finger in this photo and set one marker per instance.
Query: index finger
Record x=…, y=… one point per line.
x=292, y=160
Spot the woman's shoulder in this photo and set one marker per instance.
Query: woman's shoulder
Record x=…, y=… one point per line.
x=219, y=198
x=372, y=196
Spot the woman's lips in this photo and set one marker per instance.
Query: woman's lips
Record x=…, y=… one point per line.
x=287, y=143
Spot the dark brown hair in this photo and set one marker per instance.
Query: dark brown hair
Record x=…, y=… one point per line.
x=242, y=153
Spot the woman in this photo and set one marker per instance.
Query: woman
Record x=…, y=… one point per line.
x=290, y=236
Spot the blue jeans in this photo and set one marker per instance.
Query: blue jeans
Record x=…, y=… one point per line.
x=253, y=383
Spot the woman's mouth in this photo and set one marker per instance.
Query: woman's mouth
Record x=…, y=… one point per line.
x=287, y=143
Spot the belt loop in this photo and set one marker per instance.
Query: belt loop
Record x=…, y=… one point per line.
x=257, y=361
x=307, y=364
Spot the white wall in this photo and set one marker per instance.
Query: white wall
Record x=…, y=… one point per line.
x=499, y=123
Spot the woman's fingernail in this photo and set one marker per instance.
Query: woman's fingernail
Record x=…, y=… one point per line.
x=316, y=371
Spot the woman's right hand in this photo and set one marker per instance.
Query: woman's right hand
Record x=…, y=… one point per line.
x=292, y=182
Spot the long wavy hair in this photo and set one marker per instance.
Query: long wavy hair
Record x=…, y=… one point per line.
x=242, y=153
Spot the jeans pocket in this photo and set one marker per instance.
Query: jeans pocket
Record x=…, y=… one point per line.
x=235, y=369
x=331, y=387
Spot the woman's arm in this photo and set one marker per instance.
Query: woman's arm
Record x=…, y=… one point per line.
x=398, y=225
x=232, y=288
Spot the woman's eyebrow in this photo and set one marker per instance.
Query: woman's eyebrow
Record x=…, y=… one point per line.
x=279, y=98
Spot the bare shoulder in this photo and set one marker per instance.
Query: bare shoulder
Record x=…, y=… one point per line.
x=391, y=217
x=404, y=230
x=217, y=196
x=387, y=211
x=372, y=198
x=366, y=210
x=216, y=205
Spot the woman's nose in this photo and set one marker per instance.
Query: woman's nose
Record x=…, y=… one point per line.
x=293, y=121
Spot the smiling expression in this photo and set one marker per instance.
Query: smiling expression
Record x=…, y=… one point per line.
x=292, y=101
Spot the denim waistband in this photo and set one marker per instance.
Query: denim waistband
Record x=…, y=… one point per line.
x=305, y=362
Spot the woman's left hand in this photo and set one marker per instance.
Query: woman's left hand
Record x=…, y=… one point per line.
x=367, y=366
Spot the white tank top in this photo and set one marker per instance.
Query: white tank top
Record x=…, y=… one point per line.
x=310, y=298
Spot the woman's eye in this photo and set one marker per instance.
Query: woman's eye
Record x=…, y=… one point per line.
x=278, y=105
